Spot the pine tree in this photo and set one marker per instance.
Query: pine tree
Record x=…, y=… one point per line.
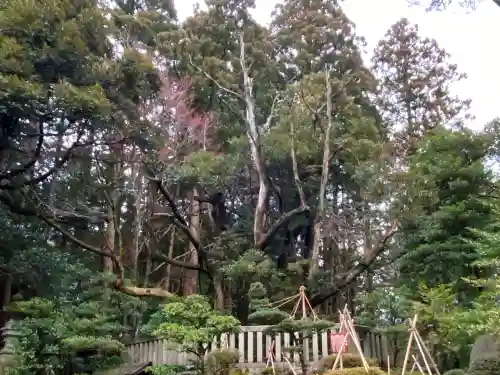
x=51, y=87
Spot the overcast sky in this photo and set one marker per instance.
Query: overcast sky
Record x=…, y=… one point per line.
x=470, y=37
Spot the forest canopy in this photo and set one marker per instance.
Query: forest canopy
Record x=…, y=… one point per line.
x=143, y=158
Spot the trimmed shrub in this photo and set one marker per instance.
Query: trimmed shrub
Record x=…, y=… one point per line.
x=221, y=362
x=277, y=371
x=486, y=365
x=348, y=361
x=357, y=371
x=238, y=371
x=398, y=371
x=455, y=372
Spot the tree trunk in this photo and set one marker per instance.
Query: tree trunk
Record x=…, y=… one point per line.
x=107, y=262
x=219, y=294
x=367, y=246
x=325, y=170
x=191, y=276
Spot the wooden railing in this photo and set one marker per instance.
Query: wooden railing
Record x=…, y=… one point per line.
x=253, y=346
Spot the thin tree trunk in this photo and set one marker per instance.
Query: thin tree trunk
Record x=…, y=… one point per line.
x=191, y=276
x=170, y=254
x=367, y=246
x=107, y=262
x=325, y=169
x=219, y=294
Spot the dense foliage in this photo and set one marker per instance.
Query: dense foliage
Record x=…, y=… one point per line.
x=178, y=178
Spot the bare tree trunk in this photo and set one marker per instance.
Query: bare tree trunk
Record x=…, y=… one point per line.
x=325, y=169
x=253, y=135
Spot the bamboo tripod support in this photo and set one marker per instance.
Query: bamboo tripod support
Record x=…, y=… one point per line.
x=305, y=307
x=346, y=323
x=423, y=351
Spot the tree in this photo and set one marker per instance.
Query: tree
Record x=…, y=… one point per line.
x=440, y=5
x=75, y=330
x=386, y=310
x=415, y=77
x=193, y=324
x=199, y=170
x=449, y=186
x=50, y=99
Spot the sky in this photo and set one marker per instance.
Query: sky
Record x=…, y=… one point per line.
x=471, y=38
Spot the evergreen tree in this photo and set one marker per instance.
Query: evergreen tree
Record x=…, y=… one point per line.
x=52, y=96
x=448, y=180
x=415, y=77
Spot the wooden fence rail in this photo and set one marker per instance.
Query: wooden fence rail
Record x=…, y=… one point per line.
x=253, y=346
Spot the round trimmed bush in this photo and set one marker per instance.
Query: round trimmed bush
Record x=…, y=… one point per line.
x=455, y=372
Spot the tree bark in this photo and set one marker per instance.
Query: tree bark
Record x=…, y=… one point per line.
x=191, y=276
x=325, y=169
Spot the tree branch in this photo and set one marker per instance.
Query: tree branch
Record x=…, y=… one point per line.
x=356, y=270
x=118, y=284
x=214, y=81
x=177, y=263
x=282, y=221
x=93, y=249
x=143, y=292
x=57, y=166
x=36, y=154
x=177, y=218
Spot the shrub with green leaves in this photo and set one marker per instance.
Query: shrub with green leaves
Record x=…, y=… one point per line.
x=357, y=371
x=486, y=365
x=349, y=360
x=221, y=362
x=166, y=369
x=191, y=323
x=399, y=371
x=55, y=338
x=238, y=371
x=455, y=372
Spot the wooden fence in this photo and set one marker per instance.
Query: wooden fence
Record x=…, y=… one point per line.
x=253, y=346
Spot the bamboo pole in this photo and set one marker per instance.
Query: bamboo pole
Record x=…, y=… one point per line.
x=410, y=341
x=426, y=350
x=418, y=365
x=422, y=353
x=412, y=367
x=354, y=336
x=341, y=350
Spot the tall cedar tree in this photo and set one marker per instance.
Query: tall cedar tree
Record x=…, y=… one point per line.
x=415, y=77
